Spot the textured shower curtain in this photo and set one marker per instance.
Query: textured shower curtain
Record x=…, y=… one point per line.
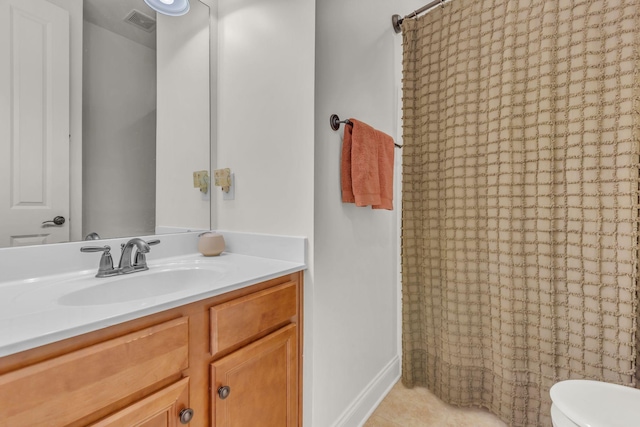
x=520, y=180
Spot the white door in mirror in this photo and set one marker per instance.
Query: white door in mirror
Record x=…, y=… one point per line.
x=34, y=123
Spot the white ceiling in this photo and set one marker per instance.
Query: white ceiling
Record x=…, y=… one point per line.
x=110, y=15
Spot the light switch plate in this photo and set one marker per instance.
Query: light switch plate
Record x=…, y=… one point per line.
x=223, y=178
x=231, y=194
x=201, y=180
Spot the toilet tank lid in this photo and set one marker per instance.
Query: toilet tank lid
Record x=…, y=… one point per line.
x=597, y=404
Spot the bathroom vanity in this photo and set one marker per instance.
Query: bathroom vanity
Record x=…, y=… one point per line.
x=229, y=355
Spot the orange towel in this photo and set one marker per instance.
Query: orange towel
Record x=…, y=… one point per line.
x=367, y=166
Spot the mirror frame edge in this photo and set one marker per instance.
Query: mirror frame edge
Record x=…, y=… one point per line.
x=213, y=105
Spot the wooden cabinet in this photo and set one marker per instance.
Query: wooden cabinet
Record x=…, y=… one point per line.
x=243, y=319
x=66, y=389
x=258, y=382
x=150, y=371
x=162, y=409
x=258, y=379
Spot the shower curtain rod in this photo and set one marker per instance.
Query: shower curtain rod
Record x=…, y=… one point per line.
x=396, y=20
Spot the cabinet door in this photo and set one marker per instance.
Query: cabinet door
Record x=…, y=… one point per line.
x=161, y=409
x=263, y=383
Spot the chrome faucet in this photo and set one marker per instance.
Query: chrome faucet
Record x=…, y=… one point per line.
x=124, y=266
x=140, y=260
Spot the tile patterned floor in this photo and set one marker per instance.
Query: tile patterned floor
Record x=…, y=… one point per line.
x=418, y=407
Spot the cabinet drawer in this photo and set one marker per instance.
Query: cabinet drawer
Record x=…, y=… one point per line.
x=94, y=377
x=161, y=409
x=241, y=319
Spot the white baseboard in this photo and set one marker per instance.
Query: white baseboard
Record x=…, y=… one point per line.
x=368, y=400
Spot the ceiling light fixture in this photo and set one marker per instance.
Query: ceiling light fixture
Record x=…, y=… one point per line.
x=169, y=7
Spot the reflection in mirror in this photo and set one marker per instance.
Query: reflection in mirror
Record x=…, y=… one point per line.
x=104, y=117
x=118, y=118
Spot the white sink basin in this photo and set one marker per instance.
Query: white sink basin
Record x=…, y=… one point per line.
x=135, y=286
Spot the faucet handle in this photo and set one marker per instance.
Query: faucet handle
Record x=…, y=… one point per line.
x=105, y=268
x=140, y=260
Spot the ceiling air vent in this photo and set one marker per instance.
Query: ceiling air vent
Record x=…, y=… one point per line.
x=140, y=20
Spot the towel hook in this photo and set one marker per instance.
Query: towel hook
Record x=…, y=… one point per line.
x=335, y=121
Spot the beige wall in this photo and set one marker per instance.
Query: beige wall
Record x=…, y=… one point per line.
x=265, y=119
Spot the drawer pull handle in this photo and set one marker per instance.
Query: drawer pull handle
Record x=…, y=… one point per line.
x=224, y=392
x=186, y=415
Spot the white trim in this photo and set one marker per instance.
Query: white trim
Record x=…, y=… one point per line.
x=167, y=229
x=368, y=400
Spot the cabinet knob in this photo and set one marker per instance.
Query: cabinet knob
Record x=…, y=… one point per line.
x=224, y=392
x=186, y=415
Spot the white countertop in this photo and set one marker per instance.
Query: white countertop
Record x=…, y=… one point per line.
x=38, y=311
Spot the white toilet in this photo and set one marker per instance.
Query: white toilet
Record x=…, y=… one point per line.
x=588, y=403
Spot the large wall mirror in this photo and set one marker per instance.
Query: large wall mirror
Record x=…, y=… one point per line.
x=104, y=116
